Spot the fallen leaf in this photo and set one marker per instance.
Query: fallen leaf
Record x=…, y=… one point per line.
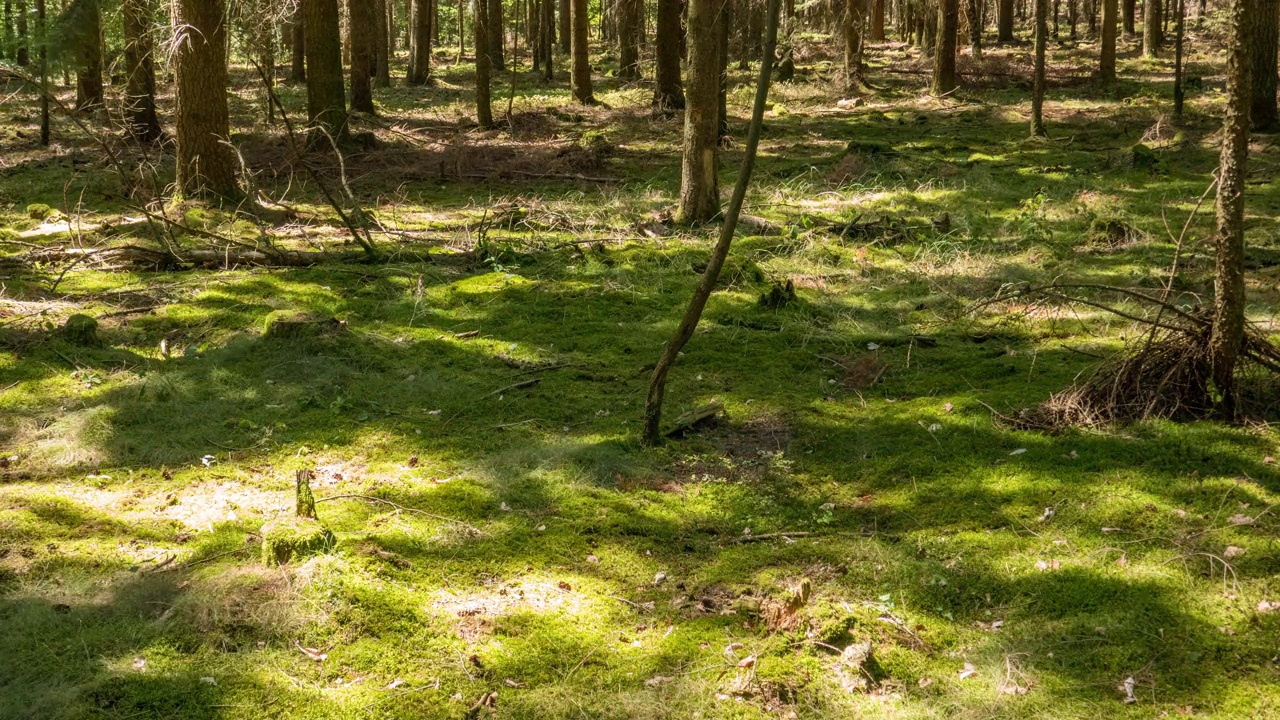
x=659, y=578
x=395, y=684
x=968, y=671
x=1233, y=551
x=564, y=586
x=312, y=653
x=1240, y=520
x=924, y=682
x=1266, y=606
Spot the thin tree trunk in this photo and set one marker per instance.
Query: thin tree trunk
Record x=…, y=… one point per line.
x=140, y=93
x=565, y=32
x=1130, y=13
x=699, y=189
x=630, y=16
x=497, y=35
x=382, y=51
x=326, y=101
x=1229, y=296
x=298, y=72
x=43, y=58
x=944, y=59
x=484, y=65
x=362, y=19
x=723, y=20
x=1107, y=62
x=548, y=39
x=580, y=70
x=88, y=29
x=1264, y=42
x=787, y=67
x=1178, y=89
x=22, y=56
x=1037, y=90
x=668, y=94
x=205, y=164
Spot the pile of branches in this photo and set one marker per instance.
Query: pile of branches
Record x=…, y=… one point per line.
x=1167, y=374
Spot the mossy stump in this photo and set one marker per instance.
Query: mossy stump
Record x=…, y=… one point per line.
x=300, y=534
x=297, y=324
x=81, y=330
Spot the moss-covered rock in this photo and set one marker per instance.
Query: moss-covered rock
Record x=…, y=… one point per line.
x=294, y=537
x=81, y=330
x=297, y=323
x=40, y=211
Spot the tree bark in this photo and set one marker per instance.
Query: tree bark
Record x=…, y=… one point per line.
x=88, y=29
x=326, y=101
x=497, y=36
x=976, y=8
x=1264, y=42
x=1107, y=61
x=668, y=94
x=140, y=93
x=630, y=25
x=699, y=189
x=1130, y=8
x=205, y=163
x=580, y=70
x=22, y=54
x=787, y=66
x=877, y=20
x=1229, y=296
x=1037, y=89
x=565, y=32
x=852, y=26
x=484, y=65
x=1178, y=87
x=298, y=72
x=362, y=17
x=382, y=51
x=1005, y=29
x=548, y=39
x=1151, y=36
x=944, y=58
x=420, y=44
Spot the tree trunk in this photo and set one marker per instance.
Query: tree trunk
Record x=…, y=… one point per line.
x=1178, y=88
x=548, y=39
x=326, y=101
x=420, y=44
x=1151, y=39
x=565, y=32
x=787, y=68
x=1037, y=89
x=580, y=70
x=877, y=20
x=497, y=36
x=298, y=72
x=1005, y=30
x=668, y=94
x=205, y=164
x=1264, y=42
x=22, y=55
x=630, y=25
x=852, y=26
x=1229, y=296
x=140, y=93
x=723, y=21
x=1130, y=17
x=699, y=190
x=484, y=65
x=88, y=29
x=1107, y=63
x=382, y=51
x=362, y=17
x=944, y=59
x=975, y=28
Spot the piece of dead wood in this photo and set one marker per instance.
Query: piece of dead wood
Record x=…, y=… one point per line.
x=702, y=417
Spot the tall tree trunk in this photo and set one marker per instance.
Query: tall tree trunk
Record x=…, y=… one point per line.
x=22, y=55
x=389, y=31
x=326, y=101
x=88, y=29
x=877, y=20
x=42, y=56
x=548, y=39
x=944, y=59
x=484, y=65
x=1264, y=42
x=668, y=94
x=565, y=32
x=140, y=93
x=497, y=35
x=630, y=22
x=1229, y=295
x=787, y=67
x=420, y=44
x=852, y=26
x=1107, y=63
x=362, y=18
x=1005, y=29
x=580, y=70
x=699, y=189
x=1151, y=28
x=975, y=28
x=1178, y=88
x=205, y=164
x=1130, y=12
x=298, y=71
x=723, y=20
x=1037, y=89
x=382, y=51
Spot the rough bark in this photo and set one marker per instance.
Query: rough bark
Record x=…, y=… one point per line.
x=580, y=69
x=699, y=189
x=877, y=20
x=140, y=94
x=1178, y=85
x=630, y=25
x=484, y=66
x=1151, y=32
x=298, y=33
x=976, y=8
x=362, y=16
x=22, y=55
x=1004, y=31
x=382, y=51
x=1037, y=89
x=1130, y=8
x=852, y=26
x=548, y=39
x=326, y=101
x=565, y=32
x=668, y=94
x=419, y=72
x=1229, y=296
x=205, y=163
x=497, y=35
x=1107, y=60
x=787, y=66
x=88, y=39
x=1264, y=39
x=944, y=58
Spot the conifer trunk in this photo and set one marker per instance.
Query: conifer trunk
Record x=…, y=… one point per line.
x=1037, y=89
x=1263, y=45
x=580, y=70
x=140, y=93
x=668, y=94
x=944, y=60
x=326, y=100
x=362, y=16
x=88, y=29
x=205, y=164
x=1107, y=61
x=484, y=67
x=298, y=71
x=699, y=188
x=419, y=72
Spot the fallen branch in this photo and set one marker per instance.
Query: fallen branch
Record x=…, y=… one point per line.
x=370, y=498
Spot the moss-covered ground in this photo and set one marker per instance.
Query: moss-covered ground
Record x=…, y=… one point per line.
x=534, y=549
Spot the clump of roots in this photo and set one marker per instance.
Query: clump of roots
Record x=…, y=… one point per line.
x=1167, y=374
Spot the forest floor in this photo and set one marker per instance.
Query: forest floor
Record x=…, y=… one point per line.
x=536, y=550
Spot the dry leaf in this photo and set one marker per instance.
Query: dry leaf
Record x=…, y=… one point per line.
x=1266, y=606
x=1233, y=551
x=968, y=671
x=1240, y=520
x=312, y=653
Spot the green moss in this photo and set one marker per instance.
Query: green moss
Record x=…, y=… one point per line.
x=294, y=537
x=297, y=323
x=40, y=211
x=81, y=330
